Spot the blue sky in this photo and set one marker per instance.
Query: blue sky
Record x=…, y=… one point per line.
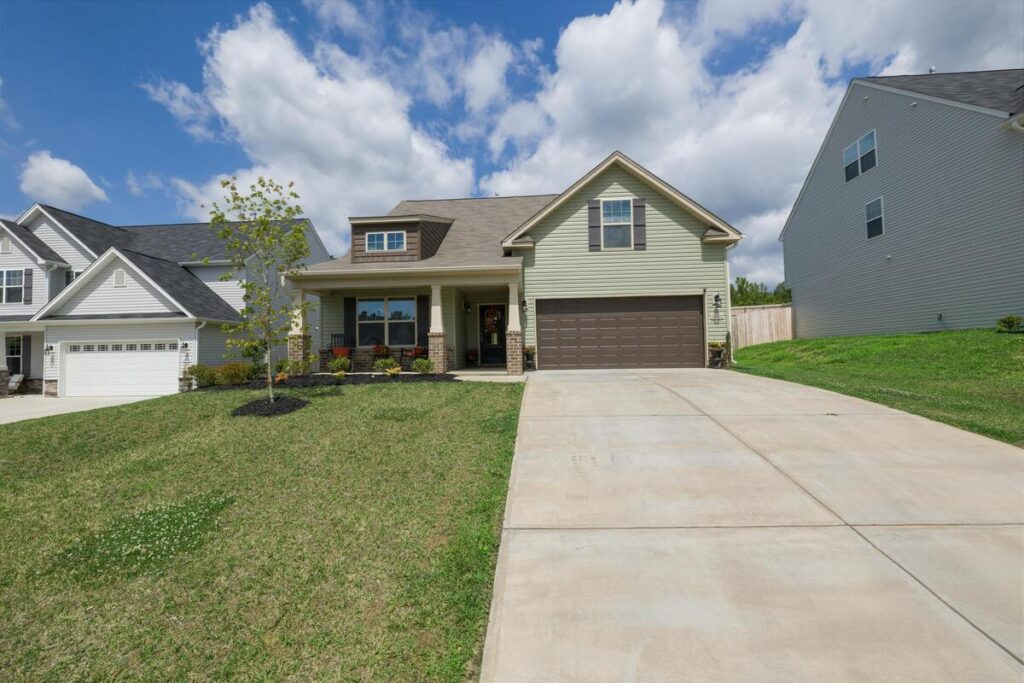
x=129, y=112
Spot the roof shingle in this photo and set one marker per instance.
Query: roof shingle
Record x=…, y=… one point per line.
x=1002, y=90
x=29, y=239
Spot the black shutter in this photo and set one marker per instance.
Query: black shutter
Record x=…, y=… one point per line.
x=594, y=224
x=350, y=321
x=26, y=356
x=639, y=224
x=26, y=296
x=422, y=320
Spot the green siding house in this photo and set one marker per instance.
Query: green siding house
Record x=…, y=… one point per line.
x=620, y=270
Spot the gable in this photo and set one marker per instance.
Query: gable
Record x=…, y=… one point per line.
x=21, y=259
x=58, y=239
x=99, y=296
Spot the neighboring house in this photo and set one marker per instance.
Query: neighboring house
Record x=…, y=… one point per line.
x=90, y=309
x=620, y=270
x=912, y=216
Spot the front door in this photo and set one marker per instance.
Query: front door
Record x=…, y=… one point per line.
x=492, y=334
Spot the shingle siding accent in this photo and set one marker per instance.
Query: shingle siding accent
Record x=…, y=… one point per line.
x=953, y=242
x=675, y=261
x=412, y=244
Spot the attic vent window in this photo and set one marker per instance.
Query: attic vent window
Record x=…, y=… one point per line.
x=860, y=157
x=120, y=280
x=5, y=245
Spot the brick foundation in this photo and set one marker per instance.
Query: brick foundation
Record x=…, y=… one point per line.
x=32, y=386
x=50, y=388
x=438, y=352
x=514, y=352
x=299, y=347
x=5, y=378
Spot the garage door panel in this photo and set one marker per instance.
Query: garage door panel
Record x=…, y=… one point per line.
x=643, y=332
x=120, y=369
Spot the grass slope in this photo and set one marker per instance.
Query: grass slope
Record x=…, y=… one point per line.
x=354, y=539
x=973, y=379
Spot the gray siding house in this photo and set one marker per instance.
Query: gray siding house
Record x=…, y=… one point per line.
x=912, y=215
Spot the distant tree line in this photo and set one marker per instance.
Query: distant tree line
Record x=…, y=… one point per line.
x=747, y=293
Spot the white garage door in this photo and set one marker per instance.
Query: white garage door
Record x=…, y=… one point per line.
x=120, y=368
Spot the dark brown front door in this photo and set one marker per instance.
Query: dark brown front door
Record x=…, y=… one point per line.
x=626, y=332
x=492, y=334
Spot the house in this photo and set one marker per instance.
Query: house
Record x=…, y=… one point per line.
x=912, y=216
x=88, y=308
x=621, y=270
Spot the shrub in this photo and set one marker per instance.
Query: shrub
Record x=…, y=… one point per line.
x=234, y=373
x=280, y=366
x=1010, y=323
x=394, y=372
x=340, y=374
x=337, y=365
x=385, y=364
x=296, y=368
x=424, y=366
x=280, y=377
x=200, y=376
x=257, y=371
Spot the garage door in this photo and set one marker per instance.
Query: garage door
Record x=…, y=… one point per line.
x=120, y=368
x=629, y=332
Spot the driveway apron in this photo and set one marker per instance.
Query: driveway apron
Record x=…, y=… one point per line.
x=668, y=525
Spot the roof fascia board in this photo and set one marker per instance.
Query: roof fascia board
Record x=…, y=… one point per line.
x=40, y=209
x=641, y=173
x=116, y=321
x=90, y=272
x=930, y=98
x=391, y=272
x=413, y=218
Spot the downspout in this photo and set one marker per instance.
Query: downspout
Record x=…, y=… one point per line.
x=201, y=326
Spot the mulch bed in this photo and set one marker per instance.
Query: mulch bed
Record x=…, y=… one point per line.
x=327, y=380
x=282, y=405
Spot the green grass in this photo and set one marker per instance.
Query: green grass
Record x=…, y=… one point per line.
x=972, y=379
x=165, y=540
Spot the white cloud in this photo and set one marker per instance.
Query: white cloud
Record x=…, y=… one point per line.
x=635, y=79
x=484, y=75
x=7, y=119
x=139, y=185
x=47, y=179
x=188, y=107
x=323, y=120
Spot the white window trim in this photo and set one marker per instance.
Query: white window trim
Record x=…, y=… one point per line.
x=122, y=274
x=4, y=287
x=387, y=332
x=20, y=356
x=630, y=224
x=856, y=144
x=385, y=233
x=881, y=215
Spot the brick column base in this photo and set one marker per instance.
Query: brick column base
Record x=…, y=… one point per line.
x=298, y=347
x=438, y=351
x=50, y=387
x=5, y=378
x=514, y=352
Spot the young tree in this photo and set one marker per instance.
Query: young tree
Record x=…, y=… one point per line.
x=263, y=240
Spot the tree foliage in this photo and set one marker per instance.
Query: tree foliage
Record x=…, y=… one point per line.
x=747, y=293
x=263, y=241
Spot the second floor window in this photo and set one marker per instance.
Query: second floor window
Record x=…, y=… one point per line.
x=873, y=216
x=859, y=157
x=12, y=284
x=385, y=241
x=616, y=223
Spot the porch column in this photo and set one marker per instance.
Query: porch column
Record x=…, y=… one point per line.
x=513, y=333
x=299, y=340
x=437, y=343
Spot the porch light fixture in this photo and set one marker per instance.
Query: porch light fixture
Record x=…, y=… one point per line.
x=48, y=349
x=466, y=307
x=184, y=345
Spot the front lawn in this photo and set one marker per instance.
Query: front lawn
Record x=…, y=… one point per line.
x=354, y=539
x=972, y=379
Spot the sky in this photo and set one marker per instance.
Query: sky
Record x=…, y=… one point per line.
x=131, y=112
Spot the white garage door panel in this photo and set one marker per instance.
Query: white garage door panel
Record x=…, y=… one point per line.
x=119, y=373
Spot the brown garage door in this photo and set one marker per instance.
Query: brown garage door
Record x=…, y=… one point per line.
x=629, y=332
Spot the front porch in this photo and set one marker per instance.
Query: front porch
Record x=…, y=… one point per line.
x=21, y=356
x=462, y=325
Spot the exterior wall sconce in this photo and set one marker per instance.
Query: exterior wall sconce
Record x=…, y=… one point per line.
x=466, y=307
x=184, y=345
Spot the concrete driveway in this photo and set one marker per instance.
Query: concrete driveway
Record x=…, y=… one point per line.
x=17, y=408
x=703, y=525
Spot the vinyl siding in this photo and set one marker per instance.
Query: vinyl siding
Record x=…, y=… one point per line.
x=229, y=290
x=183, y=332
x=19, y=259
x=58, y=240
x=675, y=262
x=212, y=346
x=952, y=184
x=99, y=296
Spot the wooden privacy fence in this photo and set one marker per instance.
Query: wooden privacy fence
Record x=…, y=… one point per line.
x=760, y=324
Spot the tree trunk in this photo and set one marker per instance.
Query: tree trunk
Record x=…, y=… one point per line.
x=270, y=376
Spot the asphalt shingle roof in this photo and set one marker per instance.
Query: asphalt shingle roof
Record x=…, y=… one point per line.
x=1002, y=90
x=183, y=287
x=474, y=238
x=29, y=239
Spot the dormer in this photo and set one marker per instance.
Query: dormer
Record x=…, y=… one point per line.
x=397, y=238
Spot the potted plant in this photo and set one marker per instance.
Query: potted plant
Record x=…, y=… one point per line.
x=716, y=351
x=529, y=355
x=471, y=357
